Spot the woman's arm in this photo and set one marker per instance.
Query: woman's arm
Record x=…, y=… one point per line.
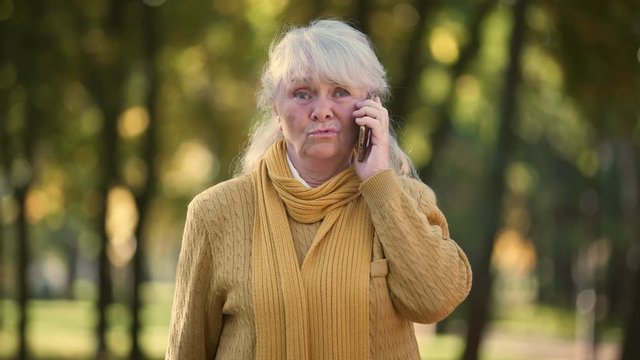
x=429, y=275
x=196, y=317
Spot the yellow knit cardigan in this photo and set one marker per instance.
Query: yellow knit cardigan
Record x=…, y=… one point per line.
x=418, y=274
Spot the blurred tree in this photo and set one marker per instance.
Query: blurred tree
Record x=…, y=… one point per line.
x=29, y=75
x=596, y=45
x=630, y=345
x=6, y=83
x=444, y=111
x=479, y=301
x=412, y=63
x=145, y=191
x=556, y=213
x=301, y=13
x=104, y=75
x=362, y=14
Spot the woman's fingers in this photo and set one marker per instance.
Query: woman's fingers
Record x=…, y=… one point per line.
x=372, y=108
x=372, y=114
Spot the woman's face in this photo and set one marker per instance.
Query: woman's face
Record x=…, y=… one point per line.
x=317, y=120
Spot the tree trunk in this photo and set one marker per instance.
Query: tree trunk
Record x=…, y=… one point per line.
x=105, y=81
x=4, y=161
x=23, y=266
x=479, y=298
x=105, y=288
x=443, y=128
x=361, y=14
x=631, y=345
x=71, y=250
x=145, y=194
x=22, y=165
x=22, y=183
x=412, y=63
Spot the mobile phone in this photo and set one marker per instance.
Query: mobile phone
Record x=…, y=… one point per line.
x=364, y=141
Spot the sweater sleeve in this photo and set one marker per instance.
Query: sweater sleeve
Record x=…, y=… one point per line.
x=196, y=316
x=429, y=275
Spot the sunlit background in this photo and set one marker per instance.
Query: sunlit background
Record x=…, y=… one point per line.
x=523, y=115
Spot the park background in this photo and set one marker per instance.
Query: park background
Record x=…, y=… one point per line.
x=522, y=115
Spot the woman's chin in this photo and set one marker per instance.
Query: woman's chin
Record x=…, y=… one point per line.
x=325, y=152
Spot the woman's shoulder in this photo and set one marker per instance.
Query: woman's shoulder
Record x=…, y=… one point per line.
x=417, y=189
x=237, y=191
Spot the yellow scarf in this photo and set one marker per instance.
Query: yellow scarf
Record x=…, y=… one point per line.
x=319, y=311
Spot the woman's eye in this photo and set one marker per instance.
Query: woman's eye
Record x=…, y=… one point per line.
x=302, y=95
x=342, y=93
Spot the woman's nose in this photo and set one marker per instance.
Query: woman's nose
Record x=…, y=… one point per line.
x=322, y=109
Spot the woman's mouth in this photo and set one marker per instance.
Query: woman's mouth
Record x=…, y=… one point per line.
x=323, y=133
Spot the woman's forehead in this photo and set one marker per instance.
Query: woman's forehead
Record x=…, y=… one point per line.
x=318, y=81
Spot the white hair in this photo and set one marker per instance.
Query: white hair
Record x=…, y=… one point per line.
x=326, y=50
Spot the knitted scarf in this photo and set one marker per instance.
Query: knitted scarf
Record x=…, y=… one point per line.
x=319, y=310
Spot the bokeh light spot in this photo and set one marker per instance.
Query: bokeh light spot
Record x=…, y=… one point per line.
x=520, y=178
x=192, y=167
x=435, y=84
x=122, y=219
x=405, y=15
x=513, y=254
x=468, y=88
x=133, y=122
x=588, y=162
x=443, y=46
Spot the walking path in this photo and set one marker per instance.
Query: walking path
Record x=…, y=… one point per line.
x=509, y=346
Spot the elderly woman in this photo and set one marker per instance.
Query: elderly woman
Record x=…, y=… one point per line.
x=310, y=253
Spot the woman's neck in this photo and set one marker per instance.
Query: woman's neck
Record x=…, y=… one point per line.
x=317, y=172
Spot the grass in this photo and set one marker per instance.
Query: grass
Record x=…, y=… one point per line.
x=440, y=347
x=522, y=332
x=65, y=330
x=61, y=329
x=548, y=321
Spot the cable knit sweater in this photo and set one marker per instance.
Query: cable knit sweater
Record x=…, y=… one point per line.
x=418, y=274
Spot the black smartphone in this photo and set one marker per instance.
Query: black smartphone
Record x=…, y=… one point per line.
x=364, y=141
